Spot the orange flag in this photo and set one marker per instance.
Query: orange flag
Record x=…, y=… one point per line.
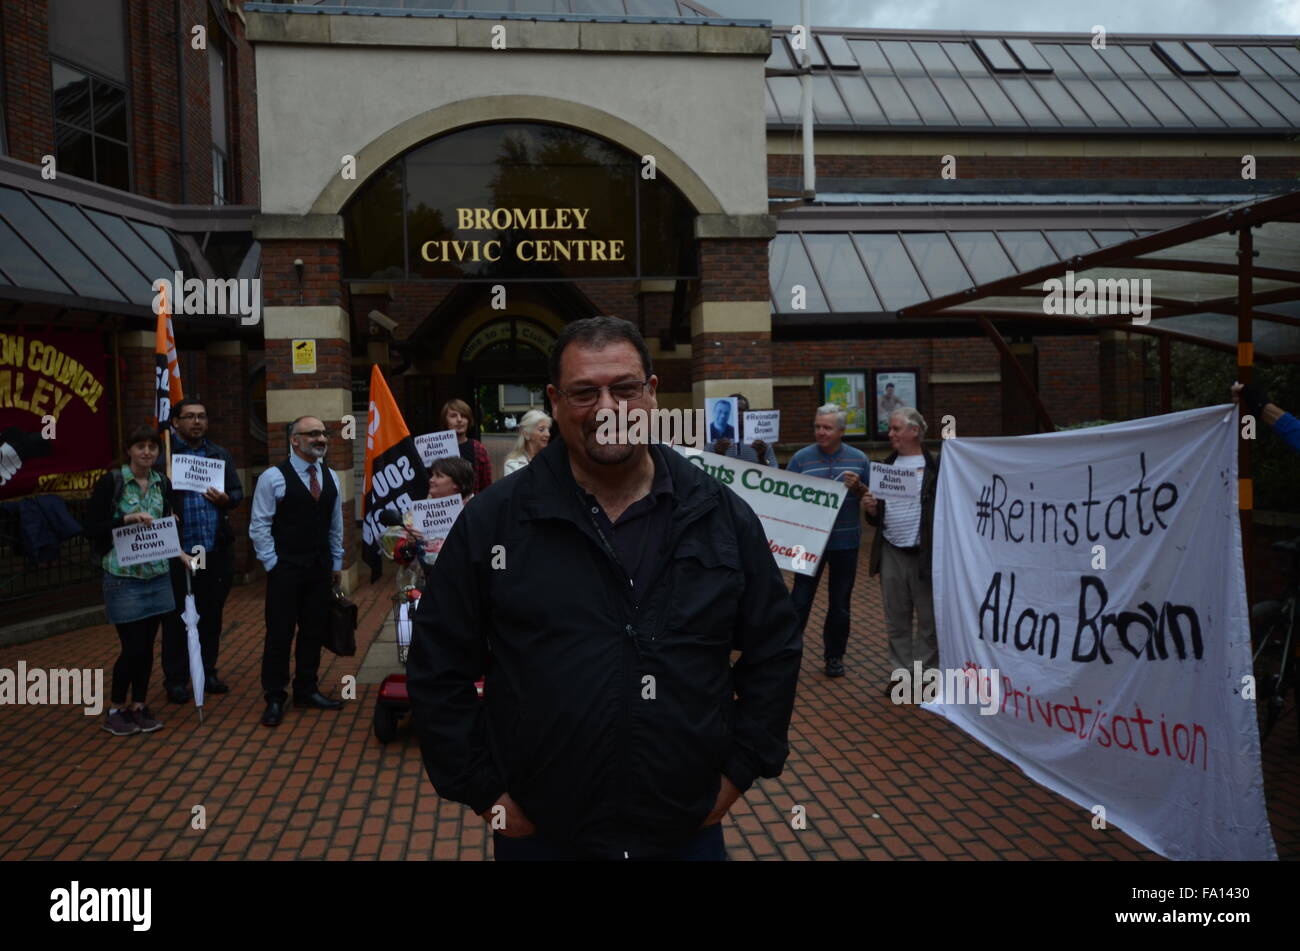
x=167, y=368
x=395, y=476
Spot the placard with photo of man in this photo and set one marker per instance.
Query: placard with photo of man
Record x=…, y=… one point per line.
x=893, y=389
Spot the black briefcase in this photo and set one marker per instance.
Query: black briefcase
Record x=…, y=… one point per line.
x=341, y=626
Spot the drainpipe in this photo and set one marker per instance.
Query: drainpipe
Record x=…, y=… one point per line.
x=806, y=109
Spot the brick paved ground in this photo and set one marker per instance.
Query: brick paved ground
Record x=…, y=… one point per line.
x=878, y=781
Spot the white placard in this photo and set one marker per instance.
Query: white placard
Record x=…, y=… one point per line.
x=1096, y=576
x=764, y=424
x=194, y=473
x=437, y=445
x=433, y=518
x=720, y=413
x=894, y=482
x=797, y=511
x=137, y=543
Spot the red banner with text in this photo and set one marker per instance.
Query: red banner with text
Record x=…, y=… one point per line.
x=54, y=414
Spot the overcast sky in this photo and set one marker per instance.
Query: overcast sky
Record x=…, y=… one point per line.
x=1117, y=16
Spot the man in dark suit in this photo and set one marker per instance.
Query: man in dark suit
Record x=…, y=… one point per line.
x=297, y=531
x=203, y=523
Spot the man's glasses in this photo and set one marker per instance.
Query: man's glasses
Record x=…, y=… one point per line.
x=193, y=416
x=314, y=433
x=623, y=392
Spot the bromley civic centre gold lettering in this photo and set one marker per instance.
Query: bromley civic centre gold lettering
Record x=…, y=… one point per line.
x=529, y=249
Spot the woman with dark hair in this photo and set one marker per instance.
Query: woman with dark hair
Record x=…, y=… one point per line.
x=458, y=417
x=448, y=476
x=135, y=596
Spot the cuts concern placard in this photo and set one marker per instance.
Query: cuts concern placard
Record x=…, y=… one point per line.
x=1099, y=573
x=195, y=473
x=137, y=543
x=797, y=511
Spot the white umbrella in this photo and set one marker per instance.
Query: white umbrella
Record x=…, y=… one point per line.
x=191, y=619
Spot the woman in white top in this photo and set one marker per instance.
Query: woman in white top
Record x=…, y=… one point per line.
x=534, y=434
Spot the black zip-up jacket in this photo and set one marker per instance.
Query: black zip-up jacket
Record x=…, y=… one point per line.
x=609, y=722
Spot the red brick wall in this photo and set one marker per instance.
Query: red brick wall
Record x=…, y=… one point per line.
x=320, y=276
x=731, y=356
x=243, y=122
x=1073, y=374
x=1068, y=377
x=137, y=382
x=28, y=105
x=1221, y=168
x=152, y=78
x=733, y=269
x=976, y=406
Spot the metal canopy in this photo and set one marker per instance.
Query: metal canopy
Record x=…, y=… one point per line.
x=1200, y=286
x=875, y=80
x=71, y=247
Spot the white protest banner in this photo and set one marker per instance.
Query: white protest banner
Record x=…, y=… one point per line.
x=1096, y=575
x=797, y=511
x=433, y=518
x=137, y=543
x=194, y=473
x=764, y=424
x=894, y=482
x=437, y=445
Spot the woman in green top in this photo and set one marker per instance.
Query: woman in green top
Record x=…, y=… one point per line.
x=135, y=596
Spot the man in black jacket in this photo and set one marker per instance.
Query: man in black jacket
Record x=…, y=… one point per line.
x=601, y=592
x=204, y=524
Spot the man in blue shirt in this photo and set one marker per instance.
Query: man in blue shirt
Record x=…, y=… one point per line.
x=297, y=532
x=203, y=523
x=829, y=458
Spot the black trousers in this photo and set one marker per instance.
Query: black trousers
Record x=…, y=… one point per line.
x=135, y=663
x=211, y=587
x=843, y=568
x=296, y=599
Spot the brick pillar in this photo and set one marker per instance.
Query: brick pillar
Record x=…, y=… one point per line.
x=227, y=400
x=316, y=313
x=731, y=322
x=135, y=349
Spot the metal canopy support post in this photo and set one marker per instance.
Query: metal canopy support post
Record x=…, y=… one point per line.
x=1031, y=391
x=1245, y=374
x=1166, y=380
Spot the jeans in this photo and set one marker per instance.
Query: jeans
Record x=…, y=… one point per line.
x=843, y=571
x=706, y=846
